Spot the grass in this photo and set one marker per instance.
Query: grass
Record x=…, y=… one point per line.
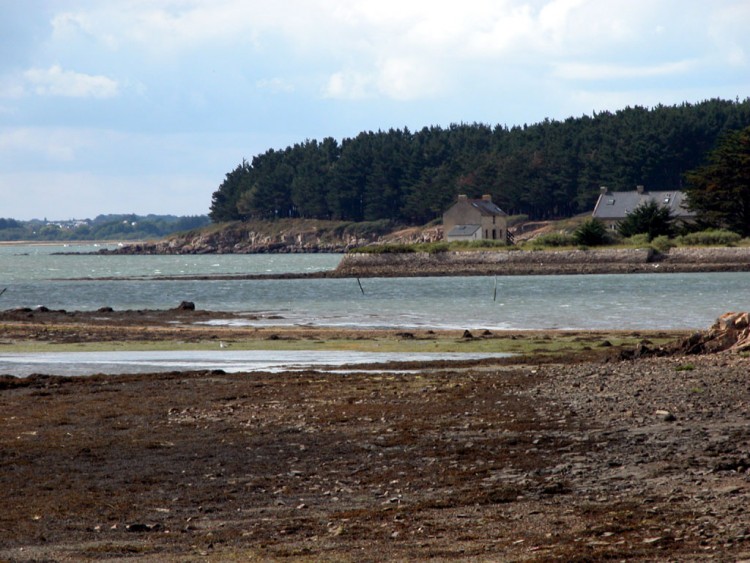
x=526, y=343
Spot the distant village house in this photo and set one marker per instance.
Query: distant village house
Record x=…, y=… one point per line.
x=613, y=207
x=475, y=219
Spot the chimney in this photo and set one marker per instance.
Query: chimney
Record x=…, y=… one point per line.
x=486, y=197
x=603, y=189
x=639, y=189
x=462, y=197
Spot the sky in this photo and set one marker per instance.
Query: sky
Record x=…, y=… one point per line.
x=143, y=106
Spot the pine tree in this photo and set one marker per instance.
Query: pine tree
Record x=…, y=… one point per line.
x=719, y=191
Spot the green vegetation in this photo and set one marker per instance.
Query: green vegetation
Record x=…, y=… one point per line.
x=719, y=191
x=525, y=343
x=650, y=219
x=709, y=237
x=662, y=243
x=549, y=169
x=591, y=232
x=554, y=240
x=103, y=227
x=430, y=247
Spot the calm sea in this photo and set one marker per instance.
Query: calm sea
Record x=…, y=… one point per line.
x=34, y=276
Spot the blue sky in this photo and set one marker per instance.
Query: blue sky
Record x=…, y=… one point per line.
x=142, y=106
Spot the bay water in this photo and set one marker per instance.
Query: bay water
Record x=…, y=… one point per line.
x=34, y=275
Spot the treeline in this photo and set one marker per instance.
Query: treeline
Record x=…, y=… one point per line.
x=547, y=170
x=103, y=227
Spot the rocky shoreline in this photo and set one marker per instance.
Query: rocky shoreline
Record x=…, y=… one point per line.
x=515, y=262
x=579, y=457
x=523, y=262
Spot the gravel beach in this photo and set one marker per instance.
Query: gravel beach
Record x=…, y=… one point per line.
x=572, y=456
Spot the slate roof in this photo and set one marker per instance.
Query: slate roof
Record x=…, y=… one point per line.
x=463, y=230
x=616, y=205
x=486, y=207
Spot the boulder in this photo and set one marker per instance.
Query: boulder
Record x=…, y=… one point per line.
x=731, y=331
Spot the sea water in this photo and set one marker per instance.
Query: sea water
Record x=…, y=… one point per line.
x=35, y=276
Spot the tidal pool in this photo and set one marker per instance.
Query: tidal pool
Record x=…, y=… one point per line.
x=230, y=361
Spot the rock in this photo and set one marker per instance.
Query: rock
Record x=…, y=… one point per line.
x=666, y=416
x=731, y=331
x=141, y=528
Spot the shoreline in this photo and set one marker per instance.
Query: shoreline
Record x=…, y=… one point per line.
x=527, y=459
x=502, y=263
x=566, y=451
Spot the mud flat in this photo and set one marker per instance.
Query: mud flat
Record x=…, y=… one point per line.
x=565, y=452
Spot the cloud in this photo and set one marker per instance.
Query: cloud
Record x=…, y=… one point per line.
x=590, y=72
x=64, y=195
x=349, y=85
x=406, y=50
x=45, y=145
x=275, y=85
x=54, y=81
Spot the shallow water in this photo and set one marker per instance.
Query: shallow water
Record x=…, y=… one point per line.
x=34, y=277
x=90, y=363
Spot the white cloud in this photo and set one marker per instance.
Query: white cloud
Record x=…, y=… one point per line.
x=63, y=195
x=349, y=86
x=407, y=79
x=49, y=145
x=275, y=85
x=728, y=29
x=583, y=71
x=407, y=49
x=54, y=81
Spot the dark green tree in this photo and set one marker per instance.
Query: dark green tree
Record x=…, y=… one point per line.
x=719, y=191
x=224, y=201
x=649, y=218
x=550, y=169
x=591, y=232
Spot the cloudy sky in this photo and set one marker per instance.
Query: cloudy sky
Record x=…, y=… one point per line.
x=142, y=106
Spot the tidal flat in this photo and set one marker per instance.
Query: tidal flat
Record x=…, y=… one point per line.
x=565, y=451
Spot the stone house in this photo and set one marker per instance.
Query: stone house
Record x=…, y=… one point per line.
x=475, y=219
x=613, y=207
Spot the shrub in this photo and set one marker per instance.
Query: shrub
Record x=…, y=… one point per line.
x=365, y=229
x=383, y=249
x=554, y=239
x=710, y=237
x=650, y=218
x=591, y=232
x=430, y=247
x=662, y=243
x=434, y=247
x=469, y=244
x=637, y=240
